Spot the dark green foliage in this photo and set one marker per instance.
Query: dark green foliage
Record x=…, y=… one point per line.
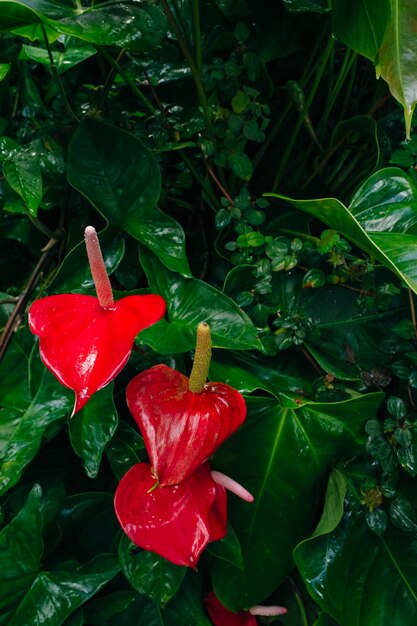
x=241, y=160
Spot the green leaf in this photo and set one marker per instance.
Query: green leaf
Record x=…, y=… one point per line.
x=133, y=27
x=381, y=219
x=189, y=302
x=333, y=504
x=55, y=595
x=103, y=609
x=361, y=25
x=4, y=70
x=228, y=549
x=241, y=165
x=356, y=575
x=21, y=549
x=300, y=6
x=150, y=574
x=93, y=427
x=51, y=404
x=123, y=183
x=398, y=57
x=277, y=443
x=23, y=173
x=63, y=61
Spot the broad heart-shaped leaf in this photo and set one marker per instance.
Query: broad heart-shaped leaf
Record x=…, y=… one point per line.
x=181, y=428
x=23, y=173
x=281, y=456
x=86, y=345
x=21, y=549
x=398, y=57
x=361, y=25
x=124, y=183
x=361, y=578
x=189, y=302
x=150, y=574
x=381, y=219
x=92, y=428
x=175, y=522
x=51, y=404
x=55, y=595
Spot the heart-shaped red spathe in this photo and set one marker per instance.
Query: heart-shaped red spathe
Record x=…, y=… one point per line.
x=181, y=429
x=86, y=345
x=220, y=616
x=176, y=522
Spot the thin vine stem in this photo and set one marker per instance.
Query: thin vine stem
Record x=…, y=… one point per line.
x=291, y=143
x=57, y=77
x=108, y=57
x=189, y=58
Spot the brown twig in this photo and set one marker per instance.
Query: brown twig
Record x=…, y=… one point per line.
x=15, y=318
x=218, y=183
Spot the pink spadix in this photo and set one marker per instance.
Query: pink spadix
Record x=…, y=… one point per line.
x=231, y=485
x=86, y=341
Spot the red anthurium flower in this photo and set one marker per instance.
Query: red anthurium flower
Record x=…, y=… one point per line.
x=182, y=427
x=221, y=616
x=86, y=341
x=177, y=521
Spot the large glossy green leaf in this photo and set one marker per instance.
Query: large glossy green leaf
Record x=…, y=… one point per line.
x=48, y=408
x=361, y=578
x=361, y=24
x=189, y=302
x=381, y=219
x=63, y=61
x=150, y=574
x=22, y=172
x=133, y=26
x=93, y=427
x=21, y=549
x=55, y=595
x=124, y=184
x=281, y=455
x=398, y=57
x=16, y=14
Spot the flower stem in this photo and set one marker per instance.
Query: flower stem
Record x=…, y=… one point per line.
x=202, y=359
x=232, y=485
x=98, y=269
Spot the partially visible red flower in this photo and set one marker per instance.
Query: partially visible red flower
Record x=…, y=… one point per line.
x=181, y=428
x=221, y=616
x=176, y=522
x=86, y=341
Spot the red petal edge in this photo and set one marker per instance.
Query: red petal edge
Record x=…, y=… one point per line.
x=220, y=616
x=181, y=429
x=175, y=522
x=86, y=345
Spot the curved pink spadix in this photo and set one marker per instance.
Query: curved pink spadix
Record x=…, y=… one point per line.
x=181, y=428
x=231, y=485
x=267, y=611
x=177, y=521
x=86, y=345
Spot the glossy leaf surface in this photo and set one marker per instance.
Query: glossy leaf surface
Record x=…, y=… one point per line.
x=150, y=574
x=189, y=302
x=124, y=185
x=352, y=564
x=175, y=522
x=93, y=427
x=398, y=57
x=361, y=25
x=272, y=438
x=86, y=345
x=381, y=219
x=181, y=429
x=55, y=595
x=48, y=408
x=21, y=549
